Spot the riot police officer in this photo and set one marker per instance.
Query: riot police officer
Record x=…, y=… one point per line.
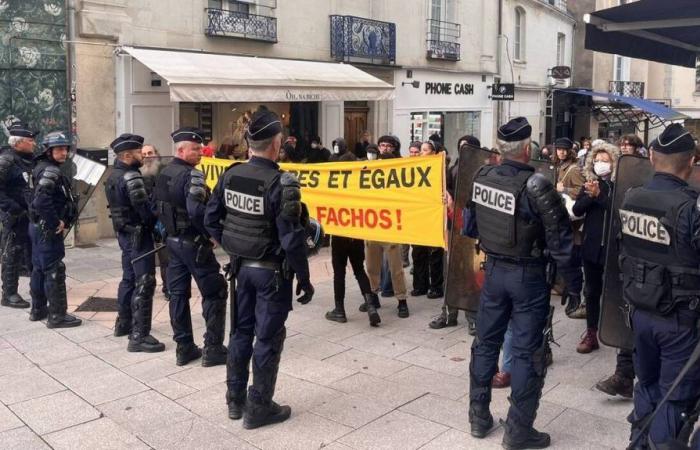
x=519, y=218
x=16, y=165
x=52, y=212
x=256, y=214
x=133, y=219
x=181, y=195
x=659, y=261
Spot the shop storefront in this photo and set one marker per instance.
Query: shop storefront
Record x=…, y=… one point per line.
x=443, y=105
x=160, y=90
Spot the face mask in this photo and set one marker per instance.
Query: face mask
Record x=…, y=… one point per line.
x=314, y=145
x=336, y=149
x=371, y=156
x=602, y=168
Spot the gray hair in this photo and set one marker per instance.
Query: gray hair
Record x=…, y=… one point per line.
x=510, y=150
x=14, y=140
x=181, y=145
x=261, y=146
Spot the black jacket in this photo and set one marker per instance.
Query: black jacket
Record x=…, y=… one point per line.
x=595, y=225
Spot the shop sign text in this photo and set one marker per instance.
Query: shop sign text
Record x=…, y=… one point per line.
x=449, y=88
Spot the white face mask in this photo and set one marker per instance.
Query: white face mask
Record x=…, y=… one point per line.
x=371, y=156
x=602, y=168
x=336, y=149
x=314, y=145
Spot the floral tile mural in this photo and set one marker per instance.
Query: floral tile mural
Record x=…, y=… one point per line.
x=33, y=83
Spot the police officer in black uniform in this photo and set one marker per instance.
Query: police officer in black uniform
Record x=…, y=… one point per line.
x=256, y=214
x=660, y=265
x=52, y=212
x=181, y=195
x=16, y=164
x=133, y=220
x=519, y=218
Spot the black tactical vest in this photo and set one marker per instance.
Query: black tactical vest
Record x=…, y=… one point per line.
x=659, y=267
x=502, y=231
x=121, y=212
x=249, y=227
x=170, y=201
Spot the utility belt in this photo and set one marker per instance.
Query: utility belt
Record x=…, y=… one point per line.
x=261, y=264
x=515, y=262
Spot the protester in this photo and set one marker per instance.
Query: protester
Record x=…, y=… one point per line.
x=318, y=153
x=361, y=147
x=631, y=144
x=594, y=202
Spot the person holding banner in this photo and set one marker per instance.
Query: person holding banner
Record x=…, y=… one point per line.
x=517, y=215
x=257, y=215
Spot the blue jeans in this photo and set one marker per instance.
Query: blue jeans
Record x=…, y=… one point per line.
x=507, y=363
x=386, y=284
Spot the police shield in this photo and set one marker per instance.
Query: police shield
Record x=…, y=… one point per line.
x=546, y=168
x=85, y=175
x=464, y=276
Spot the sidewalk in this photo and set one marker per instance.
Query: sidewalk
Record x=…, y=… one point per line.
x=399, y=386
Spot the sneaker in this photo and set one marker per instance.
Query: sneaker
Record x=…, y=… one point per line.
x=589, y=341
x=616, y=385
x=579, y=313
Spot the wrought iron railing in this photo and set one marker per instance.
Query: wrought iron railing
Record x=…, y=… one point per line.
x=627, y=88
x=240, y=24
x=356, y=38
x=559, y=4
x=443, y=40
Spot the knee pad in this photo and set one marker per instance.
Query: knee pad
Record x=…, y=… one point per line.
x=56, y=270
x=215, y=285
x=146, y=285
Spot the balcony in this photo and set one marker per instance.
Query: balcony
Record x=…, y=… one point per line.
x=627, y=88
x=559, y=4
x=240, y=24
x=355, y=39
x=443, y=40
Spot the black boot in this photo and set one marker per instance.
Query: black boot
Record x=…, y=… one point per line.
x=519, y=438
x=40, y=310
x=237, y=373
x=140, y=339
x=374, y=319
x=236, y=404
x=403, y=309
x=14, y=301
x=55, y=287
x=375, y=302
x=122, y=327
x=480, y=420
x=214, y=355
x=9, y=273
x=36, y=315
x=187, y=352
x=338, y=313
x=260, y=410
x=214, y=311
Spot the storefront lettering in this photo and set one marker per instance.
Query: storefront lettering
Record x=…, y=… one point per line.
x=449, y=88
x=303, y=97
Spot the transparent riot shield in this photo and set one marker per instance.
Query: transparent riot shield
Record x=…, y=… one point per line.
x=85, y=175
x=546, y=168
x=632, y=171
x=464, y=274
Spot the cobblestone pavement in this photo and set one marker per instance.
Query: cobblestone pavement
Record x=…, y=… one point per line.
x=399, y=386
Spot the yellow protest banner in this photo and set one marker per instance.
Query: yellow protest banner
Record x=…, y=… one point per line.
x=391, y=200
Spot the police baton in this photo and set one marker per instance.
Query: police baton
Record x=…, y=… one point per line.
x=140, y=257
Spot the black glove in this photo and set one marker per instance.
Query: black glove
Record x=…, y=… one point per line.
x=308, y=291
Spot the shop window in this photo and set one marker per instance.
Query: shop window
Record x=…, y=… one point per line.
x=519, y=40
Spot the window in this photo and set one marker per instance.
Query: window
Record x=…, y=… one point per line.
x=519, y=41
x=561, y=49
x=622, y=68
x=230, y=5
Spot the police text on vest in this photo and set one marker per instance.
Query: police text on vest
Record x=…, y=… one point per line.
x=494, y=198
x=645, y=227
x=244, y=203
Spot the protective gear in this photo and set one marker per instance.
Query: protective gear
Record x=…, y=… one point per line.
x=55, y=287
x=602, y=168
x=501, y=231
x=174, y=217
x=480, y=420
x=135, y=188
x=247, y=231
x=291, y=197
x=55, y=139
x=6, y=163
x=140, y=339
x=198, y=187
x=315, y=236
x=308, y=290
x=186, y=352
x=50, y=178
x=550, y=206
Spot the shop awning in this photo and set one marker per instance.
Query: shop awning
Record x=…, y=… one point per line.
x=662, y=31
x=208, y=77
x=620, y=108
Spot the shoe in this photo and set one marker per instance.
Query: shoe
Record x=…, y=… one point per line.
x=147, y=344
x=374, y=319
x=403, y=309
x=236, y=405
x=14, y=301
x=524, y=439
x=186, y=353
x=579, y=313
x=387, y=293
x=122, y=327
x=480, y=420
x=418, y=292
x=573, y=303
x=375, y=302
x=589, y=341
x=336, y=315
x=471, y=326
x=435, y=293
x=65, y=321
x=256, y=416
x=214, y=355
x=501, y=380
x=616, y=385
x=36, y=315
x=442, y=321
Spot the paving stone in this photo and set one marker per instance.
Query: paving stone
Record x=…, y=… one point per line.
x=152, y=369
x=104, y=345
x=431, y=381
x=12, y=361
x=590, y=401
x=210, y=402
x=394, y=430
x=441, y=410
x=458, y=440
x=193, y=434
x=368, y=363
x=26, y=385
x=608, y=433
x=36, y=339
x=13, y=320
x=102, y=434
x=8, y=420
x=382, y=346
x=436, y=360
x=145, y=412
x=389, y=392
x=56, y=353
x=199, y=377
x=54, y=412
x=312, y=370
x=322, y=328
x=85, y=332
x=423, y=338
x=121, y=358
x=352, y=410
x=170, y=388
x=313, y=347
x=302, y=395
x=22, y=439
